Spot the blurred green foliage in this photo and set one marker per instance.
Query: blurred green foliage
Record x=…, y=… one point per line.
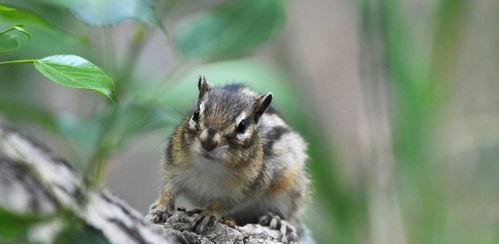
x=8, y=43
x=110, y=12
x=77, y=232
x=14, y=226
x=417, y=69
x=229, y=29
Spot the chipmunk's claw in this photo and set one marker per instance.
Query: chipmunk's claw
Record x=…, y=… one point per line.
x=204, y=221
x=229, y=222
x=158, y=214
x=286, y=230
x=194, y=211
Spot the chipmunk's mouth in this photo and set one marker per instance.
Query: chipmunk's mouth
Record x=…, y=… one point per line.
x=208, y=156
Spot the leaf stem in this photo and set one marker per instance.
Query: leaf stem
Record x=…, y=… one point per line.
x=7, y=30
x=19, y=28
x=140, y=38
x=19, y=61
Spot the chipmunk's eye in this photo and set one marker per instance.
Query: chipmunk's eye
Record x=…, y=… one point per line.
x=241, y=127
x=195, y=116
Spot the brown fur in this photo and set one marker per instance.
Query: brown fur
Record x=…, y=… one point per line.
x=286, y=181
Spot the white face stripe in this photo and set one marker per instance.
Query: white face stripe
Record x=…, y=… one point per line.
x=240, y=117
x=201, y=113
x=204, y=135
x=247, y=133
x=201, y=108
x=192, y=123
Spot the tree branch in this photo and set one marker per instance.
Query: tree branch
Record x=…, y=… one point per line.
x=36, y=181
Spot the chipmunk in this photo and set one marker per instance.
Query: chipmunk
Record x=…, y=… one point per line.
x=235, y=158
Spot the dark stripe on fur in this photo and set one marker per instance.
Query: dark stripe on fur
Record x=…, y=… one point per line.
x=272, y=136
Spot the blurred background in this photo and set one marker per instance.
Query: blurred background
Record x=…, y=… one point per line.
x=397, y=100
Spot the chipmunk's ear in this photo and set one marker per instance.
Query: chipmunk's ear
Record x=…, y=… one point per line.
x=203, y=86
x=261, y=105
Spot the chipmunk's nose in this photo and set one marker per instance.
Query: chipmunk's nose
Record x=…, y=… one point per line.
x=209, y=139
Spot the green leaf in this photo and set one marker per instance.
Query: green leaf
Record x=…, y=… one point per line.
x=81, y=233
x=4, y=8
x=76, y=72
x=37, y=24
x=25, y=17
x=8, y=43
x=233, y=28
x=14, y=225
x=111, y=12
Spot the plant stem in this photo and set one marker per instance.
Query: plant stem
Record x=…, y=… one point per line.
x=19, y=28
x=19, y=61
x=95, y=172
x=126, y=71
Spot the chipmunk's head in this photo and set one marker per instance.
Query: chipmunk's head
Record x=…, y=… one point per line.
x=225, y=119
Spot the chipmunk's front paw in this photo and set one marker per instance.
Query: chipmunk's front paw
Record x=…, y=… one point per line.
x=287, y=231
x=204, y=221
x=158, y=213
